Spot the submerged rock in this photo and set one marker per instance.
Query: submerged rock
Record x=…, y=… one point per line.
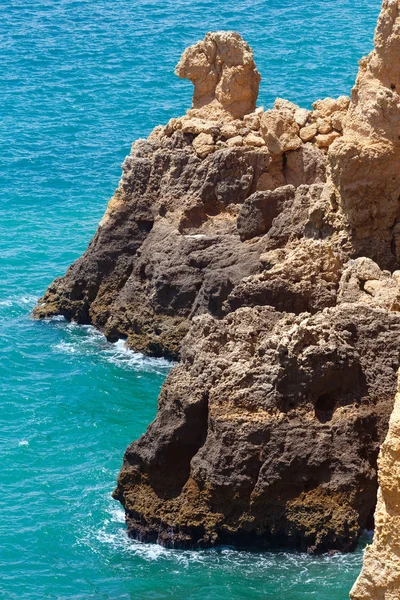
x=254, y=246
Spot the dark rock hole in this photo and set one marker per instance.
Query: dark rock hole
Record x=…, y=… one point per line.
x=325, y=407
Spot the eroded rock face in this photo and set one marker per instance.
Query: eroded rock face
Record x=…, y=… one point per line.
x=222, y=70
x=365, y=161
x=259, y=247
x=267, y=433
x=380, y=577
x=167, y=248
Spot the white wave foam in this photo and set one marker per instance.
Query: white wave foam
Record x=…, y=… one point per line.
x=56, y=318
x=23, y=443
x=19, y=301
x=120, y=542
x=117, y=515
x=289, y=570
x=5, y=302
x=29, y=299
x=86, y=340
x=122, y=356
x=65, y=348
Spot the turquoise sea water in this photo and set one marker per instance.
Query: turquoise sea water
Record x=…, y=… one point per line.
x=80, y=80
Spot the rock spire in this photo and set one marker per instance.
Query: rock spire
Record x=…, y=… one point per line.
x=365, y=161
x=223, y=72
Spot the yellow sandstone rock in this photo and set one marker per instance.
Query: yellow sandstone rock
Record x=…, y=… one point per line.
x=280, y=131
x=235, y=141
x=254, y=140
x=203, y=144
x=197, y=126
x=252, y=121
x=324, y=125
x=380, y=576
x=324, y=108
x=223, y=72
x=337, y=120
x=308, y=133
x=324, y=141
x=365, y=161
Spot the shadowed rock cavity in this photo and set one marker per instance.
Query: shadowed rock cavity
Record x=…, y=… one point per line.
x=260, y=249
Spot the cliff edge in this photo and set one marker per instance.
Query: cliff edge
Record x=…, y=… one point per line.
x=259, y=248
x=380, y=577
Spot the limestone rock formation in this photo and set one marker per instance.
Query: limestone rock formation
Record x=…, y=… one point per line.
x=268, y=431
x=222, y=70
x=380, y=577
x=260, y=249
x=365, y=161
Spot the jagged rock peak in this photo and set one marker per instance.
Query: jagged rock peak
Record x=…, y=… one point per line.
x=365, y=160
x=375, y=109
x=380, y=577
x=223, y=72
x=384, y=60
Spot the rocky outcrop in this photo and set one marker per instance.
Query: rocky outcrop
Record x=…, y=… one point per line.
x=365, y=161
x=380, y=577
x=267, y=433
x=224, y=75
x=259, y=248
x=169, y=246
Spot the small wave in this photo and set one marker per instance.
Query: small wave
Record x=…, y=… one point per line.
x=286, y=572
x=117, y=515
x=86, y=340
x=19, y=301
x=55, y=319
x=304, y=569
x=23, y=443
x=122, y=356
x=120, y=542
x=65, y=348
x=5, y=302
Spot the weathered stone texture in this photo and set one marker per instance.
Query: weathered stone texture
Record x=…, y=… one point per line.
x=222, y=70
x=268, y=432
x=365, y=161
x=380, y=577
x=260, y=248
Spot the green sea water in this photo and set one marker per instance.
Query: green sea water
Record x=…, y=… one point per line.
x=80, y=80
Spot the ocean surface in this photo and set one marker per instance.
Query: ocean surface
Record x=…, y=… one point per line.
x=80, y=80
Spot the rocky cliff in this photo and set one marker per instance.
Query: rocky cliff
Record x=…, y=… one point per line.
x=380, y=577
x=260, y=248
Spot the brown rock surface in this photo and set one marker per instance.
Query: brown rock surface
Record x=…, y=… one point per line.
x=268, y=255
x=267, y=433
x=167, y=248
x=365, y=161
x=380, y=577
x=222, y=70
